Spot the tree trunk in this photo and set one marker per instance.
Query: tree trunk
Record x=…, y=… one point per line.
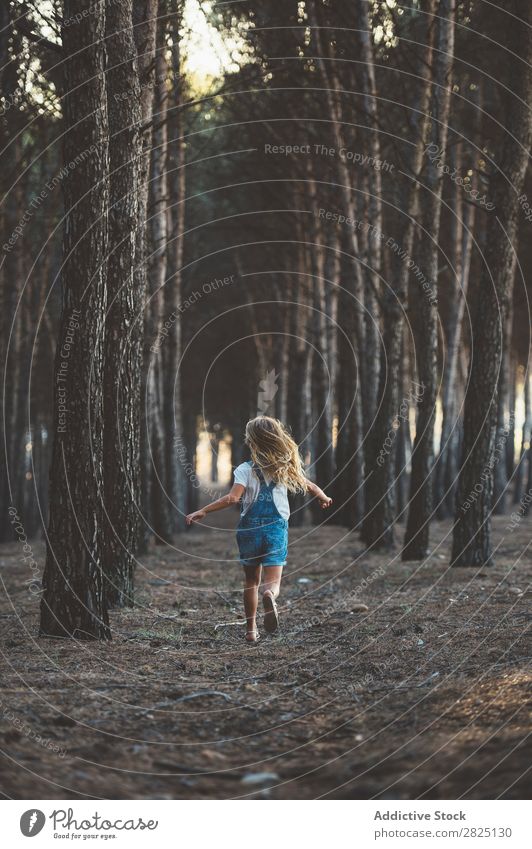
x=512, y=400
x=377, y=529
x=123, y=342
x=416, y=544
x=73, y=603
x=188, y=457
x=374, y=216
x=173, y=412
x=10, y=265
x=157, y=267
x=472, y=528
x=504, y=423
x=403, y=456
x=463, y=218
x=526, y=511
x=14, y=397
x=364, y=405
x=144, y=20
x=322, y=385
x=281, y=365
x=300, y=382
x=348, y=492
x=520, y=477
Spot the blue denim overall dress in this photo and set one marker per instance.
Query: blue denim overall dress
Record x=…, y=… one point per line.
x=262, y=533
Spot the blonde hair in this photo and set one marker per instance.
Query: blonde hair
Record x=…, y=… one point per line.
x=274, y=451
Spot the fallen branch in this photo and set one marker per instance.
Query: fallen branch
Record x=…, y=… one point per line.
x=227, y=624
x=198, y=695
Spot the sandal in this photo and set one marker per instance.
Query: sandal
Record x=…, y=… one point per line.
x=252, y=636
x=271, y=616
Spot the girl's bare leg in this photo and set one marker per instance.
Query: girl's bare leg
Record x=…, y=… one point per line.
x=271, y=586
x=272, y=579
x=251, y=599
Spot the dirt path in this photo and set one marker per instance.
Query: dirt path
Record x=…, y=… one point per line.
x=424, y=695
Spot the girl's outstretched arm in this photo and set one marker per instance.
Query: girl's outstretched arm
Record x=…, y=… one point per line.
x=314, y=489
x=233, y=497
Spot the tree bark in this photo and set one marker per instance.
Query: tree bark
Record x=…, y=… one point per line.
x=322, y=384
x=377, y=529
x=123, y=331
x=173, y=412
x=505, y=430
x=463, y=218
x=472, y=527
x=512, y=401
x=73, y=603
x=157, y=267
x=416, y=544
x=374, y=215
x=403, y=456
x=366, y=395
x=12, y=261
x=521, y=477
x=145, y=25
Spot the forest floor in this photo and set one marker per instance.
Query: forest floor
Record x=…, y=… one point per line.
x=422, y=696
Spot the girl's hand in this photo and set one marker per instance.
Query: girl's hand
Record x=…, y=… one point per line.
x=325, y=501
x=197, y=516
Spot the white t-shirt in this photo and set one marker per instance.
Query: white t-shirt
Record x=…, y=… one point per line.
x=245, y=475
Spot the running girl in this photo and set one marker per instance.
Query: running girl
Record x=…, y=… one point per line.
x=262, y=485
